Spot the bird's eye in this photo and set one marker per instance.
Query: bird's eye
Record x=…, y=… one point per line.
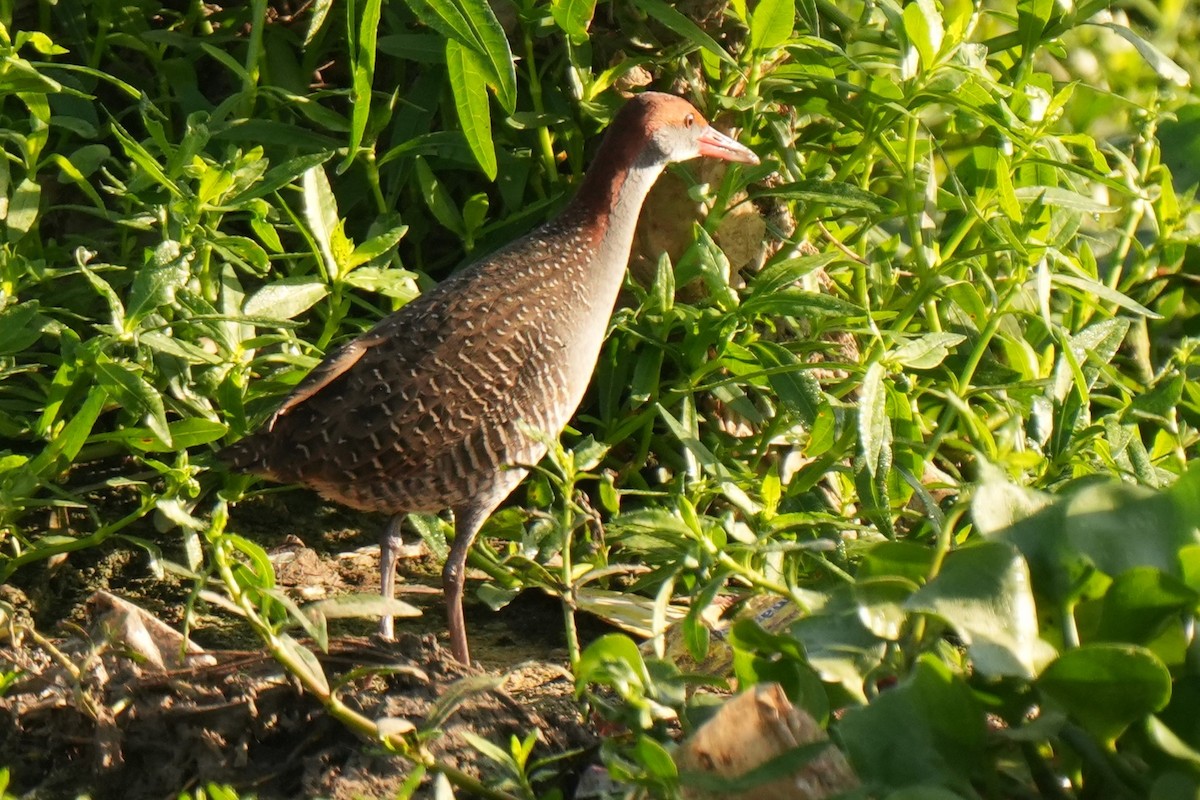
x=689, y=120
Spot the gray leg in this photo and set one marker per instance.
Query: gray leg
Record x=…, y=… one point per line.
x=389, y=552
x=467, y=522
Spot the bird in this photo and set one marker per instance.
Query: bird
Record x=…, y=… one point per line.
x=445, y=403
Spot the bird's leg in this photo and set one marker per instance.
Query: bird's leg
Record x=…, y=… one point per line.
x=467, y=523
x=389, y=553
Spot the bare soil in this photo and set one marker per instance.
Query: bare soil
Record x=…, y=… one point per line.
x=87, y=716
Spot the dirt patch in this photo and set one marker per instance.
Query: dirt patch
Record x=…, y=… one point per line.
x=85, y=715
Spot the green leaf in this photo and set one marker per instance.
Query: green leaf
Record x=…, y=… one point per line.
x=465, y=68
x=378, y=245
x=321, y=214
x=285, y=299
x=473, y=25
x=984, y=592
x=1157, y=59
x=684, y=27
x=302, y=662
x=362, y=71
x=23, y=209
x=926, y=730
x=573, y=16
x=872, y=416
x=926, y=351
x=771, y=24
x=135, y=394
x=1140, y=603
x=924, y=29
x=610, y=649
x=437, y=197
x=793, y=384
x=1107, y=687
x=831, y=194
x=156, y=283
x=1099, y=290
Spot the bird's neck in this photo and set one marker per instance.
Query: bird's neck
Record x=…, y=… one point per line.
x=611, y=196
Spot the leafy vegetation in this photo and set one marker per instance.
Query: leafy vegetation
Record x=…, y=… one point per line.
x=948, y=412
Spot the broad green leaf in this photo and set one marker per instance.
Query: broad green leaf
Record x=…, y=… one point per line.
x=302, y=663
x=923, y=27
x=398, y=284
x=984, y=592
x=926, y=351
x=573, y=16
x=1140, y=603
x=377, y=246
x=771, y=24
x=23, y=209
x=470, y=101
x=610, y=649
x=927, y=730
x=21, y=325
x=882, y=605
x=836, y=643
x=1107, y=687
x=794, y=385
x=285, y=299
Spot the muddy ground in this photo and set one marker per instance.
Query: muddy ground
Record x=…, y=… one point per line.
x=87, y=716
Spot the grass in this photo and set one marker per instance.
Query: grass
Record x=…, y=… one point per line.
x=946, y=405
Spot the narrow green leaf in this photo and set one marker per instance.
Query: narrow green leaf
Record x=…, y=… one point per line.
x=363, y=72
x=321, y=214
x=135, y=395
x=1159, y=61
x=437, y=197
x=470, y=101
x=142, y=158
x=684, y=27
x=830, y=193
x=872, y=416
x=1103, y=292
x=491, y=44
x=318, y=13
